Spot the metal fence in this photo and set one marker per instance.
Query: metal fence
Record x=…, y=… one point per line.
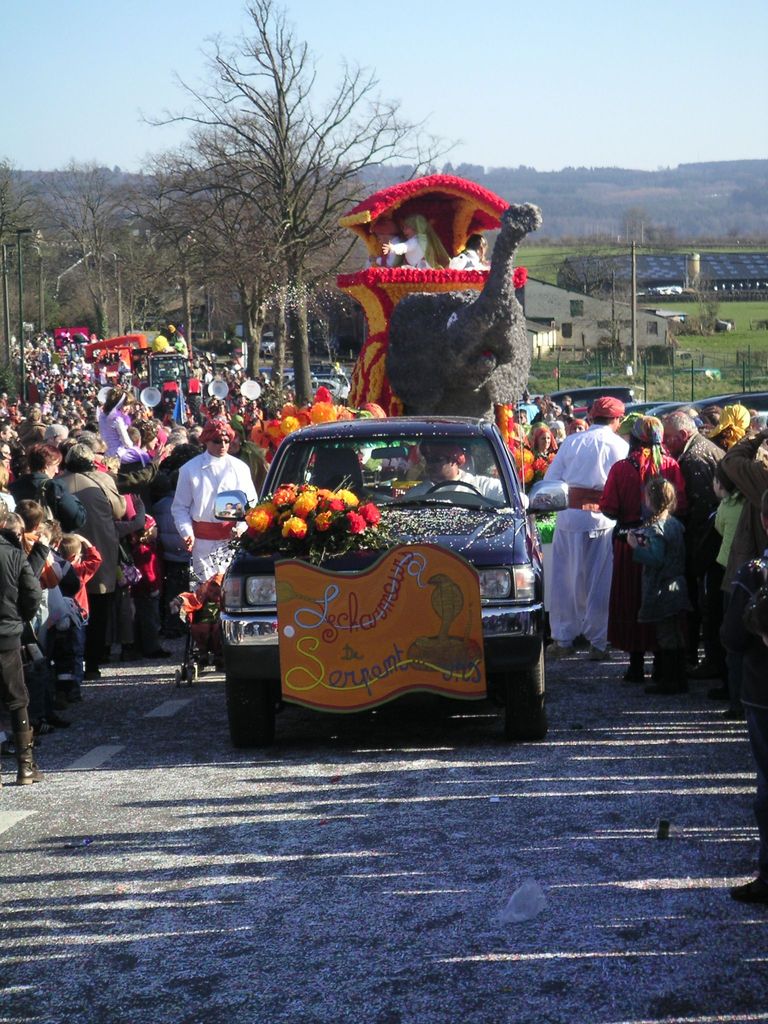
x=664, y=375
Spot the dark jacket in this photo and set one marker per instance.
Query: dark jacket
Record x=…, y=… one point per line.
x=20, y=593
x=736, y=636
x=697, y=464
x=746, y=466
x=171, y=544
x=65, y=507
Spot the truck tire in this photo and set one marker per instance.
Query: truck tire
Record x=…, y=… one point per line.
x=525, y=716
x=250, y=711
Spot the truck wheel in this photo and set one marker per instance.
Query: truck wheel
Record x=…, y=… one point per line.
x=525, y=717
x=250, y=711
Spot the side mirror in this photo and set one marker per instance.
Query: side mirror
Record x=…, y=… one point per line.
x=230, y=505
x=548, y=496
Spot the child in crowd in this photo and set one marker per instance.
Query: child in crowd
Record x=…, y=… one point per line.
x=726, y=523
x=659, y=545
x=68, y=636
x=146, y=591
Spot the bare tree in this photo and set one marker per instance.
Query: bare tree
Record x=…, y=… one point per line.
x=298, y=163
x=84, y=207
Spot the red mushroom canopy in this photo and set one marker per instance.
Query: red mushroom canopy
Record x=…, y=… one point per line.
x=455, y=207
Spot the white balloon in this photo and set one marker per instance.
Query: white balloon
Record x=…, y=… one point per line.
x=251, y=389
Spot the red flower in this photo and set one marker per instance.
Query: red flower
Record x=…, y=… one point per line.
x=519, y=277
x=357, y=523
x=323, y=395
x=370, y=513
x=336, y=505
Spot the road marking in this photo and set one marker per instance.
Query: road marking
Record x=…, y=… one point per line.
x=94, y=758
x=168, y=708
x=10, y=818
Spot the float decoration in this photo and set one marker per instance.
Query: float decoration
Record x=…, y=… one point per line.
x=269, y=433
x=313, y=524
x=431, y=360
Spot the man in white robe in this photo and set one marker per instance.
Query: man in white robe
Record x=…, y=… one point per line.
x=582, y=549
x=200, y=480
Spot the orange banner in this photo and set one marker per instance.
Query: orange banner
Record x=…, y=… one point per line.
x=410, y=622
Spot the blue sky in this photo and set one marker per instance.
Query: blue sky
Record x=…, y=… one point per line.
x=547, y=84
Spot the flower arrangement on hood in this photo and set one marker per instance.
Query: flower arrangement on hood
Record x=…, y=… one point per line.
x=269, y=433
x=303, y=521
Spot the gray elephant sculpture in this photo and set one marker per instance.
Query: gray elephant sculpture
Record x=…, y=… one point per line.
x=460, y=352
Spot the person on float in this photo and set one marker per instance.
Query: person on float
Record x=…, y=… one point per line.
x=200, y=480
x=422, y=248
x=474, y=255
x=114, y=420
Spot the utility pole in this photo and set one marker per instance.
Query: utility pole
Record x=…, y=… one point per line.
x=118, y=289
x=6, y=308
x=634, y=307
x=22, y=353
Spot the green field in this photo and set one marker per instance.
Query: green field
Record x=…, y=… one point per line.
x=739, y=356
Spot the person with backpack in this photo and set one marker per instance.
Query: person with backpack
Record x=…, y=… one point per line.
x=40, y=485
x=745, y=631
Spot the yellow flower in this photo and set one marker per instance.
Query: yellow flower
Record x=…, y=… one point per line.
x=348, y=498
x=288, y=424
x=294, y=527
x=304, y=504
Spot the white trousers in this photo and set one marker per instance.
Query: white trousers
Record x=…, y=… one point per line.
x=209, y=557
x=582, y=563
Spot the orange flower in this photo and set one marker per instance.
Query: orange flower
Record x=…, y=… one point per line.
x=323, y=521
x=288, y=424
x=294, y=527
x=323, y=412
x=260, y=519
x=285, y=495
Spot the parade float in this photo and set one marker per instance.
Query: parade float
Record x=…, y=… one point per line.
x=440, y=340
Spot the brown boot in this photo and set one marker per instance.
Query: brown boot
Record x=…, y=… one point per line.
x=28, y=772
x=23, y=739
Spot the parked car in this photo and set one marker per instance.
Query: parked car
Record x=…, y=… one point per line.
x=757, y=400
x=491, y=529
x=584, y=397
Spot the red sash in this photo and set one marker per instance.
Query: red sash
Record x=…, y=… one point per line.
x=212, y=531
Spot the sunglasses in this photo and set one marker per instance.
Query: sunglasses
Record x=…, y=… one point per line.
x=220, y=440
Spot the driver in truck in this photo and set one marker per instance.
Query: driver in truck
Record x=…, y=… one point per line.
x=443, y=465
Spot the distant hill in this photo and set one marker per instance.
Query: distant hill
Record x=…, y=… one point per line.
x=724, y=200
x=727, y=199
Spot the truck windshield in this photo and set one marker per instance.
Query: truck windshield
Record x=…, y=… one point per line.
x=404, y=470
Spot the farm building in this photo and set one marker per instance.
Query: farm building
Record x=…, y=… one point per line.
x=738, y=273
x=584, y=323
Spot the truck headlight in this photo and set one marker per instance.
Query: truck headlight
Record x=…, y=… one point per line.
x=232, y=593
x=260, y=590
x=495, y=584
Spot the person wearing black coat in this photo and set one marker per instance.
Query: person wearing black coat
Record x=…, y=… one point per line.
x=745, y=631
x=40, y=485
x=20, y=597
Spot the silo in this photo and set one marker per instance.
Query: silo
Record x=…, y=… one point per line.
x=692, y=269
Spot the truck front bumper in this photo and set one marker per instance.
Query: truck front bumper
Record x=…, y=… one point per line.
x=513, y=637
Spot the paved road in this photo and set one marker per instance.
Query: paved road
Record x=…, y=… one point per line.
x=355, y=872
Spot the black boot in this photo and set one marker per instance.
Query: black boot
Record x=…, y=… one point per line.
x=673, y=676
x=28, y=772
x=635, y=672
